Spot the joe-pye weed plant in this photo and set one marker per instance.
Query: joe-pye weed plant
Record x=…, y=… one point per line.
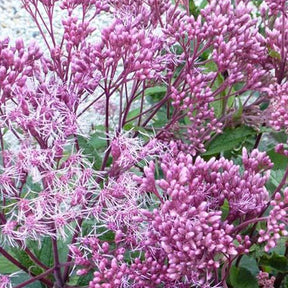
x=181, y=181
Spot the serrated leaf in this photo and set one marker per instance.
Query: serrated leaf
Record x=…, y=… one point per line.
x=230, y=139
x=275, y=261
x=241, y=277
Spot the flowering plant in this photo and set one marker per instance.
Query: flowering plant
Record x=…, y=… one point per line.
x=154, y=156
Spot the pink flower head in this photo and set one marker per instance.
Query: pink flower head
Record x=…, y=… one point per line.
x=5, y=281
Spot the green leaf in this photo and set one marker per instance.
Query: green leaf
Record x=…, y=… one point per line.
x=128, y=127
x=73, y=280
x=275, y=261
x=130, y=256
x=223, y=102
x=274, y=54
x=250, y=264
x=257, y=3
x=280, y=164
x=109, y=236
x=280, y=161
x=87, y=226
x=265, y=129
x=133, y=113
x=280, y=247
x=31, y=186
x=203, y=4
x=25, y=260
x=45, y=254
x=274, y=179
x=230, y=139
x=187, y=121
x=193, y=9
x=6, y=267
x=155, y=94
x=84, y=280
x=239, y=112
x=241, y=277
x=63, y=248
x=22, y=277
x=224, y=209
x=279, y=137
x=155, y=90
x=264, y=106
x=98, y=140
x=210, y=66
x=104, y=232
x=89, y=147
x=218, y=105
x=160, y=120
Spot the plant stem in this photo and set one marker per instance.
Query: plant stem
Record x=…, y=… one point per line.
x=57, y=270
x=248, y=222
x=38, y=277
x=22, y=267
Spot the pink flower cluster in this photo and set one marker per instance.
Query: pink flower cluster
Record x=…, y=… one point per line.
x=277, y=110
x=277, y=222
x=186, y=230
x=217, y=180
x=60, y=199
x=16, y=65
x=264, y=281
